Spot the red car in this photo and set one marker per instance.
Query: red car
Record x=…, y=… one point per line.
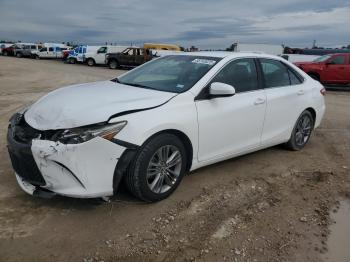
x=329, y=69
x=9, y=51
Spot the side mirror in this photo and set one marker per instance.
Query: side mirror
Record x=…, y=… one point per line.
x=218, y=89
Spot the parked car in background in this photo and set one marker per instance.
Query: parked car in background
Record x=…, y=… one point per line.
x=9, y=51
x=77, y=55
x=152, y=125
x=329, y=69
x=135, y=56
x=52, y=52
x=294, y=58
x=26, y=50
x=98, y=57
x=169, y=47
x=3, y=46
x=130, y=57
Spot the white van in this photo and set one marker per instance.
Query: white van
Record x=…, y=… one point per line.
x=52, y=52
x=98, y=57
x=77, y=55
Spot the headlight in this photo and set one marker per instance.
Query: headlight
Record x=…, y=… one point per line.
x=83, y=134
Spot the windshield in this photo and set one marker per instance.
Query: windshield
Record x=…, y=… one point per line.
x=322, y=58
x=176, y=73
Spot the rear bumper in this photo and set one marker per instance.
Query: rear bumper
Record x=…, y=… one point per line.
x=319, y=115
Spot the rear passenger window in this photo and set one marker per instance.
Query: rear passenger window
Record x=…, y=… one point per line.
x=294, y=80
x=50, y=49
x=275, y=73
x=241, y=74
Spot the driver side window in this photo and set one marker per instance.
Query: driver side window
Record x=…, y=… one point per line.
x=241, y=74
x=337, y=60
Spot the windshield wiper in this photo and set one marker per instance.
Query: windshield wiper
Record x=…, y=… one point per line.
x=137, y=85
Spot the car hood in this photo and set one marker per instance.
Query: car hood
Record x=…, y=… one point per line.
x=86, y=104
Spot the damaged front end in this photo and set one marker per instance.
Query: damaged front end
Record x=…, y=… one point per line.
x=79, y=162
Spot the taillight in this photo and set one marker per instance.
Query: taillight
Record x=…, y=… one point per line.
x=323, y=91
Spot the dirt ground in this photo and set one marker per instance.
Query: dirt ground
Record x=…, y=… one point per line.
x=272, y=205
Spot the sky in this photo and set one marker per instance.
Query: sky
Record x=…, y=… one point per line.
x=204, y=23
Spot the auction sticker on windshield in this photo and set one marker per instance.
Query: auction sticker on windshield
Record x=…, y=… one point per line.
x=204, y=61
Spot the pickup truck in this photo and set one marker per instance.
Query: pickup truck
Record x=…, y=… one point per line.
x=130, y=57
x=98, y=57
x=329, y=69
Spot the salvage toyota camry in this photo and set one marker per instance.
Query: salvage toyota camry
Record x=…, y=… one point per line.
x=159, y=121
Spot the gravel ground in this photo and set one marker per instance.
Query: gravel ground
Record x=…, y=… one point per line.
x=272, y=205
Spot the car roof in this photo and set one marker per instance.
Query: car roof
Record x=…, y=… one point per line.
x=223, y=54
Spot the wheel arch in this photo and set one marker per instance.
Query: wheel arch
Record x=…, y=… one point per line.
x=313, y=113
x=87, y=59
x=184, y=139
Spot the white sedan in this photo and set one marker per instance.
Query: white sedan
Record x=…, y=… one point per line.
x=152, y=125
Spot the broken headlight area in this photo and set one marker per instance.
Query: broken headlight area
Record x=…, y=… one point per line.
x=83, y=134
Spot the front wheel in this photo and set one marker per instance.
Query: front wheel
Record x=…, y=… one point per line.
x=301, y=132
x=157, y=169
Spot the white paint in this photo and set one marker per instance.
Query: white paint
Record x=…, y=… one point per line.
x=218, y=129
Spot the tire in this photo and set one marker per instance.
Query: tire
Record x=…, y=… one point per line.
x=153, y=182
x=113, y=64
x=90, y=62
x=19, y=55
x=5, y=53
x=301, y=132
x=71, y=61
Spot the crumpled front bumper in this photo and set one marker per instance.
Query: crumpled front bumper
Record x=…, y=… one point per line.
x=85, y=170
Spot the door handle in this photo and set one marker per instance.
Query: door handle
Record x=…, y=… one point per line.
x=259, y=101
x=300, y=92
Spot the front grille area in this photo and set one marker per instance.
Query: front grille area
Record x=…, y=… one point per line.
x=19, y=139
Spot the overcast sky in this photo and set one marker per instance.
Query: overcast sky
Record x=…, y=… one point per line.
x=204, y=23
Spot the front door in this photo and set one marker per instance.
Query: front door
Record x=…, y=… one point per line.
x=232, y=125
x=335, y=69
x=100, y=57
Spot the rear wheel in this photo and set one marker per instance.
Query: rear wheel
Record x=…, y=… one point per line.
x=5, y=53
x=157, y=169
x=90, y=62
x=19, y=55
x=113, y=64
x=301, y=132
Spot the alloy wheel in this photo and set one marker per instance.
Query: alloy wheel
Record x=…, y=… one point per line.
x=303, y=130
x=164, y=169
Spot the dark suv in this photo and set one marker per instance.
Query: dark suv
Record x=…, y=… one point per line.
x=130, y=57
x=26, y=50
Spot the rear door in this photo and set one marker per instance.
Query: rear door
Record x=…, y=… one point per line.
x=286, y=98
x=231, y=125
x=335, y=70
x=139, y=56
